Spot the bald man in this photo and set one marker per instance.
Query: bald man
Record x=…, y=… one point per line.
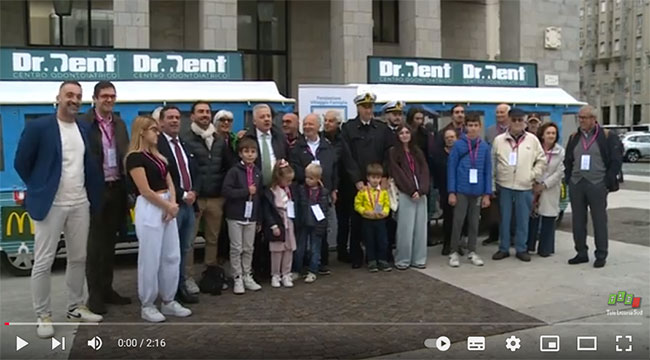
x=502, y=123
x=312, y=148
x=290, y=126
x=593, y=160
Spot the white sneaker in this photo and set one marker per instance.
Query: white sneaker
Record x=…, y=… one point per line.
x=82, y=314
x=311, y=277
x=250, y=284
x=295, y=276
x=275, y=281
x=173, y=308
x=224, y=286
x=287, y=281
x=238, y=287
x=151, y=314
x=454, y=261
x=44, y=329
x=475, y=259
x=191, y=286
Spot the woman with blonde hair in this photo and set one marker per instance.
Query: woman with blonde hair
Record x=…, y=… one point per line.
x=155, y=223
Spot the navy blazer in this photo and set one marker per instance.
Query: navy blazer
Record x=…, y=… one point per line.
x=166, y=151
x=38, y=162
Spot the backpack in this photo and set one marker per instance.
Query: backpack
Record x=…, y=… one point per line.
x=212, y=280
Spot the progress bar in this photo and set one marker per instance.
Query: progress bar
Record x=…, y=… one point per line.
x=325, y=324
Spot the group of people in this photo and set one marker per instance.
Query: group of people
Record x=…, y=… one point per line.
x=284, y=196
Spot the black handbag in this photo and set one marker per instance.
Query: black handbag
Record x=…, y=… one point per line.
x=212, y=280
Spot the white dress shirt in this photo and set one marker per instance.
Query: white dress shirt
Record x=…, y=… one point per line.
x=187, y=164
x=260, y=138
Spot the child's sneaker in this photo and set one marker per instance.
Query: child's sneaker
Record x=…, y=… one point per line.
x=238, y=287
x=44, y=329
x=311, y=277
x=287, y=281
x=372, y=266
x=275, y=281
x=173, y=308
x=250, y=284
x=453, y=260
x=295, y=276
x=81, y=313
x=475, y=259
x=384, y=266
x=151, y=314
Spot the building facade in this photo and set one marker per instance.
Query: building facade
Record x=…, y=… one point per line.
x=314, y=41
x=615, y=59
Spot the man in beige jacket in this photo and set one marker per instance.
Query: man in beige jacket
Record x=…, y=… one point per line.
x=517, y=159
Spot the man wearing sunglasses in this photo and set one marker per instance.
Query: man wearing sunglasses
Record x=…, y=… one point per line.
x=517, y=159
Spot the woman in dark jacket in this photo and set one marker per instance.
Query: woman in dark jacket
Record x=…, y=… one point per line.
x=408, y=167
x=415, y=120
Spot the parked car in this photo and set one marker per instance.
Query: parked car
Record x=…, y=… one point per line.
x=636, y=145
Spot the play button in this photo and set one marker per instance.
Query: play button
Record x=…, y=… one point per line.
x=443, y=343
x=20, y=343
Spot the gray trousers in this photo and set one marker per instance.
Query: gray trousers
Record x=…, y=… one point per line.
x=412, y=224
x=74, y=222
x=466, y=207
x=585, y=194
x=242, y=245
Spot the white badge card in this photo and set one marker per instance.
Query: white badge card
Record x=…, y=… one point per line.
x=473, y=176
x=585, y=162
x=291, y=211
x=317, y=162
x=112, y=158
x=248, y=211
x=378, y=209
x=512, y=159
x=318, y=212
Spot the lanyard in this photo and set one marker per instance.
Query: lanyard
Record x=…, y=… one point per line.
x=105, y=131
x=288, y=191
x=410, y=161
x=472, y=158
x=249, y=175
x=159, y=164
x=549, y=155
x=586, y=145
x=521, y=139
x=311, y=193
x=376, y=198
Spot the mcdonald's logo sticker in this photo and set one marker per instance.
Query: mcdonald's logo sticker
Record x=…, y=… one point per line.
x=20, y=223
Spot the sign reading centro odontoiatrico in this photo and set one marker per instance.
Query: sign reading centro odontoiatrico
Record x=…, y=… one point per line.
x=422, y=71
x=56, y=64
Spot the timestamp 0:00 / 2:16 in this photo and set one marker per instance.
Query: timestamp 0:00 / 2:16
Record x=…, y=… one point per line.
x=141, y=343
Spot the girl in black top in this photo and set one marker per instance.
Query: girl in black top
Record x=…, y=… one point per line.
x=155, y=223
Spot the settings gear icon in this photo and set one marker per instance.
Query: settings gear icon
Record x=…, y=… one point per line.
x=513, y=343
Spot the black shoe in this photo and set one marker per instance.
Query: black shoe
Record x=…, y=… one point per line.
x=446, y=250
x=578, y=260
x=500, y=255
x=116, y=299
x=324, y=270
x=356, y=266
x=461, y=252
x=600, y=263
x=543, y=254
x=489, y=241
x=97, y=307
x=523, y=256
x=185, y=297
x=344, y=258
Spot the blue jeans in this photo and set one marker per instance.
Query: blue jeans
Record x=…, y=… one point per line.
x=547, y=235
x=376, y=239
x=307, y=239
x=185, y=220
x=522, y=200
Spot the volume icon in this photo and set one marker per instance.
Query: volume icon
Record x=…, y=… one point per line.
x=95, y=343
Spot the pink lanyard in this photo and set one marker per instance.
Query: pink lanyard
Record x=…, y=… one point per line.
x=376, y=198
x=586, y=145
x=159, y=164
x=249, y=175
x=518, y=142
x=472, y=159
x=311, y=193
x=288, y=191
x=105, y=131
x=549, y=156
x=410, y=161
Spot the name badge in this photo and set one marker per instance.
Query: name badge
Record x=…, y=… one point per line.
x=317, y=162
x=291, y=211
x=248, y=211
x=318, y=212
x=379, y=209
x=112, y=158
x=512, y=159
x=585, y=162
x=473, y=176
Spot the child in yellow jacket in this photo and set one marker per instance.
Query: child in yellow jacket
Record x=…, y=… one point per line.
x=373, y=204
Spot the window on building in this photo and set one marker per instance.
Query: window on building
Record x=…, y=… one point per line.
x=617, y=45
x=606, y=66
x=582, y=12
x=639, y=24
x=589, y=11
x=603, y=6
x=605, y=116
x=620, y=114
x=602, y=48
x=637, y=86
x=262, y=37
x=90, y=23
x=638, y=43
x=617, y=24
x=636, y=114
x=385, y=19
x=593, y=68
x=602, y=28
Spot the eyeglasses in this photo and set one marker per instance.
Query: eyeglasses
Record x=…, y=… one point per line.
x=226, y=119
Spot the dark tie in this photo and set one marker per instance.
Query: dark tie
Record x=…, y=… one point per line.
x=186, y=184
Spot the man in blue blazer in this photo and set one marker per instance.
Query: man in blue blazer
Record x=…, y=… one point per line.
x=62, y=183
